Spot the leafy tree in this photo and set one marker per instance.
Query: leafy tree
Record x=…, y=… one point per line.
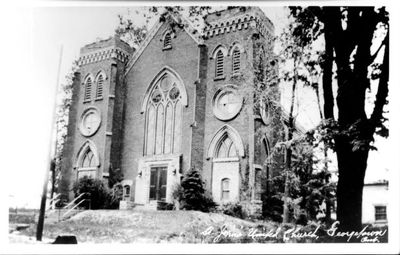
x=349, y=33
x=62, y=113
x=134, y=34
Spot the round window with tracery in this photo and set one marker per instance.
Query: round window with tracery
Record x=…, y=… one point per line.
x=90, y=122
x=227, y=104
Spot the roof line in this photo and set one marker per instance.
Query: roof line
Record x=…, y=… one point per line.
x=187, y=26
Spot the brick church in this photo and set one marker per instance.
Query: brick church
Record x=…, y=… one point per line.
x=173, y=104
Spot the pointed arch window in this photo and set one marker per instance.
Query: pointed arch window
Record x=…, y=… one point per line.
x=87, y=166
x=99, y=87
x=88, y=90
x=219, y=64
x=88, y=160
x=167, y=40
x=236, y=60
x=226, y=148
x=163, y=129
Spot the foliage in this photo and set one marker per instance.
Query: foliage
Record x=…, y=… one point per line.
x=191, y=193
x=351, y=135
x=62, y=113
x=134, y=34
x=116, y=176
x=309, y=186
x=232, y=209
x=98, y=195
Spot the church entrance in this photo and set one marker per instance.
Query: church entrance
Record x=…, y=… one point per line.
x=158, y=183
x=225, y=187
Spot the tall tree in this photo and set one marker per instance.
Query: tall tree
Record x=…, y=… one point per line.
x=349, y=34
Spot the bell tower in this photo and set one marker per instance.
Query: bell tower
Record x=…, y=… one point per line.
x=95, y=122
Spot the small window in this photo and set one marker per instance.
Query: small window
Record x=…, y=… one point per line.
x=127, y=191
x=258, y=187
x=88, y=90
x=380, y=213
x=219, y=64
x=225, y=189
x=236, y=60
x=167, y=41
x=99, y=88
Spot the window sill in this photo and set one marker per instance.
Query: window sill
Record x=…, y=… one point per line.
x=236, y=74
x=98, y=99
x=167, y=48
x=84, y=169
x=219, y=78
x=87, y=101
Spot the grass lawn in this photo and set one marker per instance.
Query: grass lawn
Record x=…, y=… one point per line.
x=135, y=226
x=120, y=226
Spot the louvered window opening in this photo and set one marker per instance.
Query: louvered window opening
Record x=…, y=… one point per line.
x=99, y=90
x=236, y=61
x=88, y=90
x=219, y=64
x=167, y=40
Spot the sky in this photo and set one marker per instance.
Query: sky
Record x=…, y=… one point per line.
x=36, y=37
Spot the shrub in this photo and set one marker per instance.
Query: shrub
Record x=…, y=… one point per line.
x=99, y=195
x=273, y=208
x=233, y=209
x=191, y=193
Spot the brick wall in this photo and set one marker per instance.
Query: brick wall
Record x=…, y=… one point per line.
x=183, y=59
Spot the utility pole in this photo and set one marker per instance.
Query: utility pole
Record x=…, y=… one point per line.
x=51, y=161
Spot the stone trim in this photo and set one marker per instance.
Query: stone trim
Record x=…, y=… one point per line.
x=217, y=48
x=234, y=45
x=82, y=151
x=232, y=133
x=238, y=23
x=103, y=54
x=174, y=74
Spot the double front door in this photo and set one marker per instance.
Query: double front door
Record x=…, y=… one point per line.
x=158, y=183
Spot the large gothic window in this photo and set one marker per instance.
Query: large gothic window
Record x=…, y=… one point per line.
x=226, y=148
x=164, y=117
x=88, y=160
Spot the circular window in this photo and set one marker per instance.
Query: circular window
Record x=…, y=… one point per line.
x=174, y=93
x=90, y=122
x=227, y=104
x=166, y=84
x=156, y=97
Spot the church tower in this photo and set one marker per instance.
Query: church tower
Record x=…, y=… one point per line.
x=95, y=121
x=236, y=39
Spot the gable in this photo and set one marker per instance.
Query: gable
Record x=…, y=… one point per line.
x=159, y=29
